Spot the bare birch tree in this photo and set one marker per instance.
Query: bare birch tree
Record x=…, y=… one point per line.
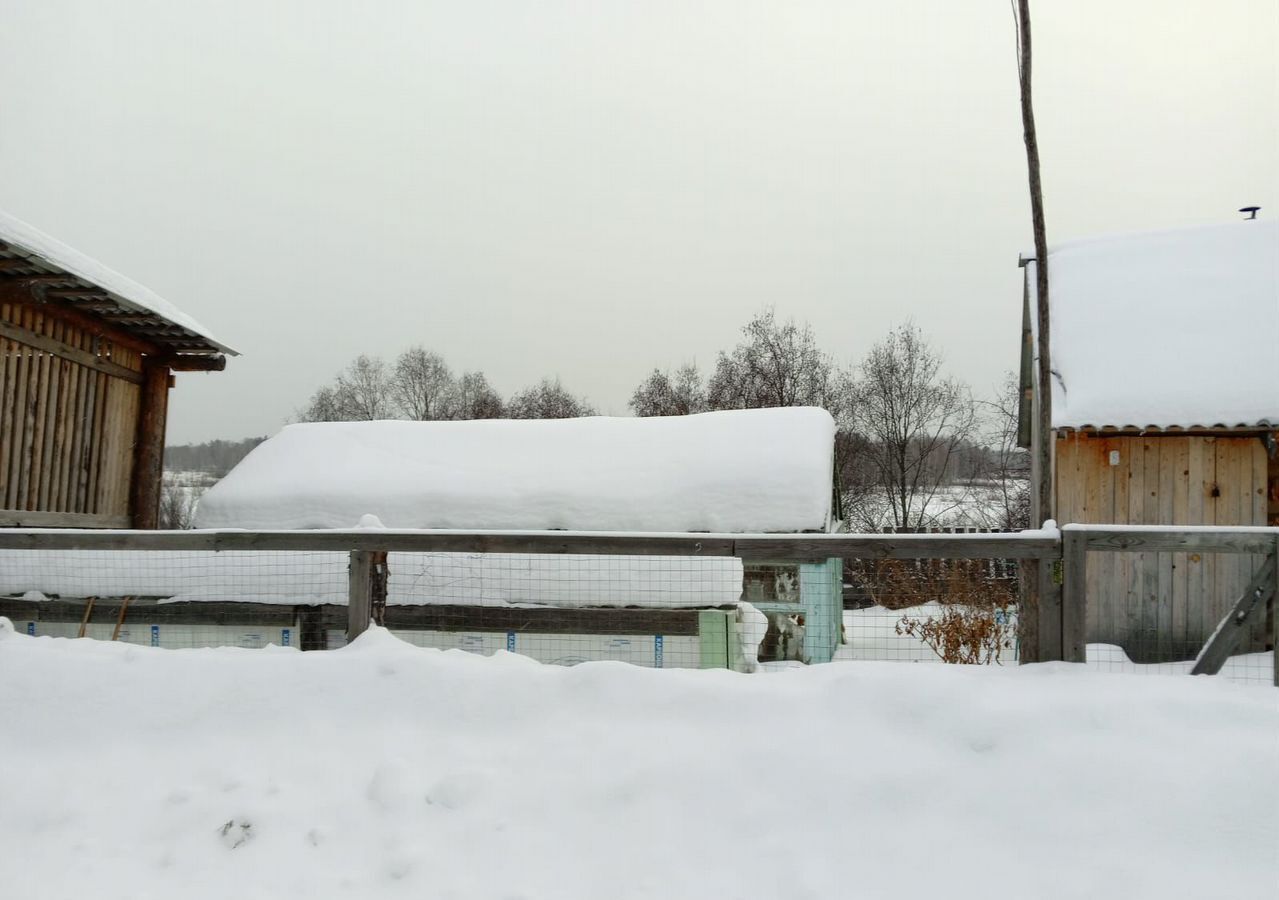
x=914, y=422
x=423, y=387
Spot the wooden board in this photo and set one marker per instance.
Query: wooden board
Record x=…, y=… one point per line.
x=1161, y=597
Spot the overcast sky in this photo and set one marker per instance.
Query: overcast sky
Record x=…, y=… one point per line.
x=593, y=189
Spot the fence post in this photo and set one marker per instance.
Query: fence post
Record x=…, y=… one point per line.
x=1050, y=638
x=1074, y=599
x=360, y=596
x=1274, y=615
x=1028, y=610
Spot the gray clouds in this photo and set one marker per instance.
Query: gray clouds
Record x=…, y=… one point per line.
x=590, y=190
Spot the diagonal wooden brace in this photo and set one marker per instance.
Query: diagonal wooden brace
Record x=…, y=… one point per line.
x=1231, y=628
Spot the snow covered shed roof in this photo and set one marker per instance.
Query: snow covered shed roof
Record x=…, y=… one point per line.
x=33, y=260
x=1166, y=329
x=739, y=471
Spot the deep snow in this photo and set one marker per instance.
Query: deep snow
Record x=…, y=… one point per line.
x=1166, y=328
x=384, y=770
x=738, y=471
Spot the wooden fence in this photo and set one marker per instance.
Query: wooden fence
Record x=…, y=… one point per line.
x=1054, y=599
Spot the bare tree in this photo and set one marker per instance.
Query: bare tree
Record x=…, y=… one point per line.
x=362, y=392
x=177, y=505
x=914, y=422
x=422, y=386
x=476, y=399
x=1008, y=470
x=667, y=394
x=326, y=405
x=547, y=399
x=777, y=364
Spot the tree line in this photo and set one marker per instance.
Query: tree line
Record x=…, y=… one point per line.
x=914, y=448
x=419, y=385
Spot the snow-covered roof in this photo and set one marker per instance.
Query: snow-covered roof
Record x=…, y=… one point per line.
x=121, y=298
x=1167, y=329
x=739, y=471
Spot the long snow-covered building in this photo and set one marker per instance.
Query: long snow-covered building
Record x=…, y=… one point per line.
x=735, y=471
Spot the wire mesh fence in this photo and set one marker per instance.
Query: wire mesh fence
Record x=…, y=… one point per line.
x=737, y=607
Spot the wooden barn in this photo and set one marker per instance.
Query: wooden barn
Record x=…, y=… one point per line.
x=86, y=363
x=1165, y=411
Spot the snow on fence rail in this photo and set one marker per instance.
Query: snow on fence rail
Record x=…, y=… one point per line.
x=678, y=599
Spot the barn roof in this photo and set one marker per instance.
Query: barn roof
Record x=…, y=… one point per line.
x=59, y=274
x=739, y=471
x=1167, y=329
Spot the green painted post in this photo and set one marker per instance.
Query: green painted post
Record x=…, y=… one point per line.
x=821, y=594
x=712, y=630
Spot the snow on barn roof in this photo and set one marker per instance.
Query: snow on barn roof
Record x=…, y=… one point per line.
x=738, y=471
x=1167, y=329
x=120, y=297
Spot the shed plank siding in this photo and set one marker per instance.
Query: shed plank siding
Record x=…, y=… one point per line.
x=69, y=407
x=1163, y=606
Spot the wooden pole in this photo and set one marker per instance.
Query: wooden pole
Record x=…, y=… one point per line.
x=360, y=594
x=148, y=460
x=1274, y=616
x=1074, y=599
x=1044, y=446
x=119, y=622
x=88, y=611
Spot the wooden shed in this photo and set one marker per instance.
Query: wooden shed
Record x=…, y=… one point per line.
x=1165, y=411
x=86, y=363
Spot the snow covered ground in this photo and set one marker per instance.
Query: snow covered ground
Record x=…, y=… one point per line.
x=384, y=770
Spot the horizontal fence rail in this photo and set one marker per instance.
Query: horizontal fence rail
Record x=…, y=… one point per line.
x=1012, y=545
x=1051, y=617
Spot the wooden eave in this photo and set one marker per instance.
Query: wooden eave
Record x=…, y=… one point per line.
x=1169, y=431
x=35, y=281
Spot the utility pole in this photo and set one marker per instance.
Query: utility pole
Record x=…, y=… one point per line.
x=1043, y=449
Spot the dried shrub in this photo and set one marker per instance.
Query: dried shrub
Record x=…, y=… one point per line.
x=977, y=597
x=970, y=635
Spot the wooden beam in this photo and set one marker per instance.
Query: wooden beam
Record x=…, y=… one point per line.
x=152, y=611
x=1235, y=625
x=22, y=518
x=753, y=547
x=1028, y=603
x=88, y=611
x=543, y=620
x=148, y=464
x=12, y=265
x=1074, y=596
x=1172, y=539
x=119, y=621
x=66, y=351
x=359, y=601
x=188, y=362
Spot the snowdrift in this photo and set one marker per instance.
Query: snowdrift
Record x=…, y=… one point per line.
x=382, y=770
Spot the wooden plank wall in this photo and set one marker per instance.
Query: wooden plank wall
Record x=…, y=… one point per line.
x=1162, y=606
x=69, y=407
